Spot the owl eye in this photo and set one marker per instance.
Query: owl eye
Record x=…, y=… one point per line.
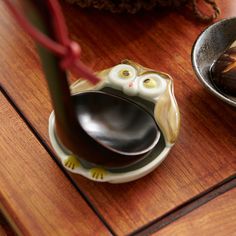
x=121, y=74
x=152, y=85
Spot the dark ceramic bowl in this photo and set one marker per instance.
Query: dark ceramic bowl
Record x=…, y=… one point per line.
x=211, y=43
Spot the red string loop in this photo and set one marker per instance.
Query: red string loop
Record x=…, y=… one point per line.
x=71, y=56
x=68, y=50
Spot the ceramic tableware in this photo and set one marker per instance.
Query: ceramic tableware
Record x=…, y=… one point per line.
x=208, y=47
x=149, y=89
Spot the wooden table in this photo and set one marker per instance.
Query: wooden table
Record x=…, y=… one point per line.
x=191, y=193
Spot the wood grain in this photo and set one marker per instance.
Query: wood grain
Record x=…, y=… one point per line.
x=34, y=193
x=215, y=218
x=205, y=151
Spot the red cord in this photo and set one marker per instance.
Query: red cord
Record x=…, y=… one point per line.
x=68, y=50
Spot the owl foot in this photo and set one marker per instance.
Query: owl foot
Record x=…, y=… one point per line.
x=98, y=173
x=72, y=162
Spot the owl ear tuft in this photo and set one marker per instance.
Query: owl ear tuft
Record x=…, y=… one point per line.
x=127, y=62
x=140, y=69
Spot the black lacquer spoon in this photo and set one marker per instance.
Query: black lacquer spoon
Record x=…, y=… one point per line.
x=99, y=127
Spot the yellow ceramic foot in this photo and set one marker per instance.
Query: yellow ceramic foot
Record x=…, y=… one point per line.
x=72, y=162
x=97, y=173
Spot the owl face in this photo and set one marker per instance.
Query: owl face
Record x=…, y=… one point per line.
x=127, y=78
x=135, y=80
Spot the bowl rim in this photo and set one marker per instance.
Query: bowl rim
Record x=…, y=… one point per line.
x=199, y=76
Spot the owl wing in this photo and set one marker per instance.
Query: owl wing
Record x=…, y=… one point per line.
x=167, y=114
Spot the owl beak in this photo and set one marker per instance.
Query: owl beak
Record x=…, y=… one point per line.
x=130, y=89
x=131, y=84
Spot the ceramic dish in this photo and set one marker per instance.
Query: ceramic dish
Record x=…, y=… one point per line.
x=100, y=174
x=211, y=43
x=150, y=89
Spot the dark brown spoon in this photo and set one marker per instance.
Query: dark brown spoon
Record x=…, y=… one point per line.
x=98, y=127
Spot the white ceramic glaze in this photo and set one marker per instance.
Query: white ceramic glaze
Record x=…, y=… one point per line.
x=156, y=96
x=108, y=176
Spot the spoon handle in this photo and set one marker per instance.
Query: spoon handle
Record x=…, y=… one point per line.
x=39, y=14
x=61, y=43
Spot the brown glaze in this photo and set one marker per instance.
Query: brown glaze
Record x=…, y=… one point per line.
x=166, y=112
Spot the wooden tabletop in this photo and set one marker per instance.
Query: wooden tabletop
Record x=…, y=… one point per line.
x=191, y=193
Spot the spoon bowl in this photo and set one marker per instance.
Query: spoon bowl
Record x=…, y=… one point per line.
x=211, y=43
x=116, y=123
x=108, y=130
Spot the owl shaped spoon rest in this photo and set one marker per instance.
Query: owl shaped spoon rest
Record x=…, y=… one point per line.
x=81, y=131
x=147, y=88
